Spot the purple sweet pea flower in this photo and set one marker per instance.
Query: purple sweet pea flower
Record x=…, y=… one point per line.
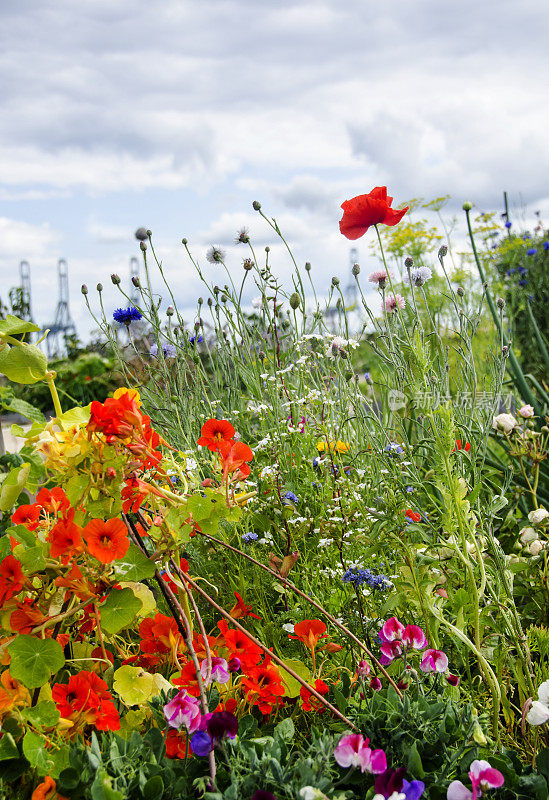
x=392, y=783
x=219, y=670
x=353, y=751
x=201, y=744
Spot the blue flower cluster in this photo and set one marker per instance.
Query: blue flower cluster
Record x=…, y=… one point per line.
x=394, y=449
x=249, y=537
x=290, y=499
x=127, y=315
x=168, y=349
x=360, y=576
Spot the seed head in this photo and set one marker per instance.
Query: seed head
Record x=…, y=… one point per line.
x=215, y=255
x=242, y=237
x=248, y=264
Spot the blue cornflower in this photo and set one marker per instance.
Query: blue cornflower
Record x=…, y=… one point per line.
x=290, y=499
x=198, y=339
x=522, y=283
x=511, y=271
x=167, y=348
x=508, y=224
x=410, y=489
x=523, y=271
x=546, y=246
x=526, y=236
x=249, y=537
x=531, y=251
x=367, y=376
x=125, y=316
x=394, y=449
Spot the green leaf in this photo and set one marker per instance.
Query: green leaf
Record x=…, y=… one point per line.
x=134, y=566
x=120, y=610
x=79, y=415
x=34, y=661
x=291, y=685
x=8, y=748
x=285, y=730
x=25, y=364
x=13, y=485
x=535, y=786
x=101, y=788
x=35, y=752
x=23, y=535
x=32, y=559
x=19, y=406
x=44, y=713
x=13, y=325
x=542, y=762
x=75, y=488
x=154, y=788
x=414, y=762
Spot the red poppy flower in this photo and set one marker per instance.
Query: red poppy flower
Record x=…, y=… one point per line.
x=368, y=209
x=310, y=702
x=215, y=431
x=53, y=500
x=107, y=541
x=461, y=446
x=27, y=515
x=240, y=609
x=309, y=631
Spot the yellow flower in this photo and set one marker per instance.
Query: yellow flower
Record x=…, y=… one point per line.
x=335, y=447
x=133, y=393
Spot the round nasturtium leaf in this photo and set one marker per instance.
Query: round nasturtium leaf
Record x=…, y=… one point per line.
x=144, y=594
x=34, y=661
x=291, y=686
x=120, y=610
x=24, y=364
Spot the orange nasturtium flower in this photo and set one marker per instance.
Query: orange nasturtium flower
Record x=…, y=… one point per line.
x=106, y=540
x=234, y=456
x=215, y=431
x=309, y=631
x=47, y=790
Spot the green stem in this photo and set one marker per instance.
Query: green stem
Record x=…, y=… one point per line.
x=53, y=391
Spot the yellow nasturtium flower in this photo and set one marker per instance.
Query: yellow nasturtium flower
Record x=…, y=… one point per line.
x=335, y=447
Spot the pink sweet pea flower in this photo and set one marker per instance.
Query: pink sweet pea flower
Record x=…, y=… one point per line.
x=434, y=661
x=413, y=636
x=183, y=710
x=353, y=751
x=220, y=673
x=391, y=630
x=482, y=777
x=395, y=637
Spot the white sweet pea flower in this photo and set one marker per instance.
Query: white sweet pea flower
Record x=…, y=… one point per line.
x=526, y=412
x=504, y=422
x=527, y=536
x=536, y=517
x=539, y=712
x=536, y=547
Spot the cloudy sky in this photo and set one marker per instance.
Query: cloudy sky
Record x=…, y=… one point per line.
x=177, y=114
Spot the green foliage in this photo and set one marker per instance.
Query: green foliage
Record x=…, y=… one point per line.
x=34, y=661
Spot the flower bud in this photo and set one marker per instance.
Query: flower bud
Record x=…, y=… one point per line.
x=442, y=251
x=170, y=311
x=500, y=302
x=143, y=246
x=136, y=283
x=363, y=668
x=99, y=287
x=115, y=279
x=467, y=206
x=210, y=302
x=256, y=206
x=308, y=266
x=409, y=262
x=184, y=240
x=149, y=234
x=294, y=300
x=141, y=234
x=505, y=350
x=356, y=269
x=84, y=289
x=335, y=281
x=461, y=291
x=248, y=264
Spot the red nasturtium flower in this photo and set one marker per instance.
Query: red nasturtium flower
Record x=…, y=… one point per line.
x=53, y=500
x=234, y=456
x=26, y=616
x=309, y=631
x=27, y=515
x=215, y=431
x=86, y=700
x=12, y=578
x=368, y=209
x=238, y=645
x=65, y=538
x=47, y=790
x=263, y=686
x=240, y=609
x=107, y=540
x=310, y=702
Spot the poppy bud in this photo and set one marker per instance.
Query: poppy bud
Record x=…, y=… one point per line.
x=84, y=289
x=294, y=300
x=256, y=206
x=409, y=262
x=115, y=279
x=356, y=269
x=308, y=266
x=500, y=302
x=143, y=246
x=99, y=287
x=141, y=234
x=442, y=251
x=169, y=311
x=467, y=206
x=135, y=281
